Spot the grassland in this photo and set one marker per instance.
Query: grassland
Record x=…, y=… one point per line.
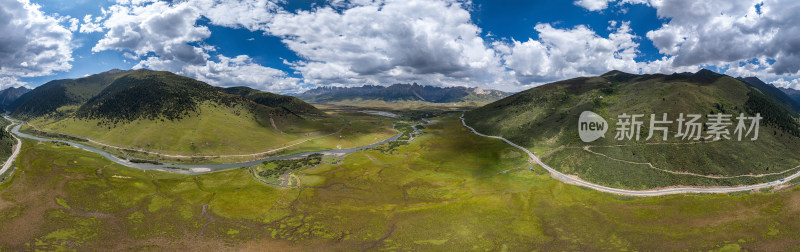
x=194, y=135
x=208, y=138
x=361, y=129
x=446, y=190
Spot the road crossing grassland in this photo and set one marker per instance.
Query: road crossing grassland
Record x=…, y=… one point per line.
x=657, y=192
x=440, y=192
x=546, y=117
x=14, y=150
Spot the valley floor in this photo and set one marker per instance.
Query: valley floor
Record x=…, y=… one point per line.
x=446, y=190
x=198, y=140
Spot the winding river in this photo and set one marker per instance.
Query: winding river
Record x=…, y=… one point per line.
x=193, y=169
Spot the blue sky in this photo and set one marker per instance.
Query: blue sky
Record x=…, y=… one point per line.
x=516, y=19
x=290, y=46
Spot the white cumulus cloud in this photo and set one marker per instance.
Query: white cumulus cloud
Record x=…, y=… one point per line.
x=237, y=71
x=250, y=14
x=91, y=25
x=793, y=84
x=382, y=42
x=436, y=42
x=32, y=43
x=565, y=53
x=592, y=5
x=10, y=81
x=744, y=37
x=167, y=36
x=159, y=28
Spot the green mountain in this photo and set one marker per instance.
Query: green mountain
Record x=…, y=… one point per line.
x=49, y=97
x=402, y=92
x=149, y=95
x=124, y=96
x=145, y=94
x=545, y=120
x=170, y=114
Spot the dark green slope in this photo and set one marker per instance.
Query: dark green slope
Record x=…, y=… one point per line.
x=144, y=94
x=47, y=98
x=545, y=119
x=123, y=96
x=167, y=113
x=275, y=100
x=153, y=95
x=52, y=91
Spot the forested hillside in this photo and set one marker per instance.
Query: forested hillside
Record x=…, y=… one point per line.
x=48, y=98
x=124, y=96
x=144, y=94
x=170, y=114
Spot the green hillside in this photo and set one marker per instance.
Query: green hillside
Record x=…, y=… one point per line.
x=149, y=95
x=275, y=100
x=59, y=94
x=211, y=129
x=160, y=115
x=545, y=120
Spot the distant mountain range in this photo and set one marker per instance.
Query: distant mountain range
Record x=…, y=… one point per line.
x=402, y=92
x=773, y=91
x=791, y=97
x=9, y=95
x=792, y=93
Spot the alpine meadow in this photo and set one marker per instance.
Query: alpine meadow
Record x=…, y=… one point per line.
x=389, y=125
